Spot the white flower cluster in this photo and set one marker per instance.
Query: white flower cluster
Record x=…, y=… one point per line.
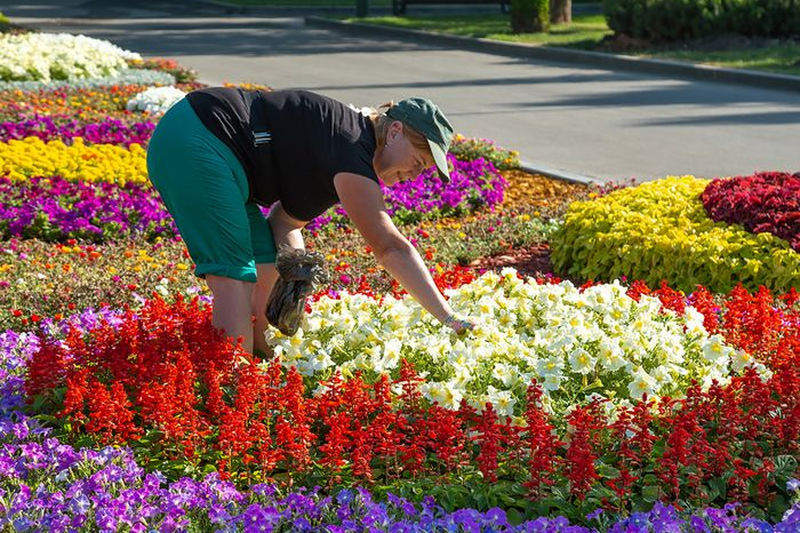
x=577, y=344
x=59, y=56
x=127, y=76
x=155, y=100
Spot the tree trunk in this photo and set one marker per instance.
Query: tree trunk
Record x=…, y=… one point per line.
x=560, y=11
x=528, y=16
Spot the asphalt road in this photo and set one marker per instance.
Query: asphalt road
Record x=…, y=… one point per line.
x=591, y=121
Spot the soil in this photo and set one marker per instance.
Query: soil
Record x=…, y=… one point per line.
x=621, y=42
x=13, y=29
x=528, y=261
x=713, y=43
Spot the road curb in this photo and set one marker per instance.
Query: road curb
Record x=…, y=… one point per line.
x=660, y=67
x=558, y=174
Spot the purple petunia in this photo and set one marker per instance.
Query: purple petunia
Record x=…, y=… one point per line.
x=472, y=184
x=55, y=209
x=49, y=128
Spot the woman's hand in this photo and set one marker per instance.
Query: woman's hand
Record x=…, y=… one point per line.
x=459, y=325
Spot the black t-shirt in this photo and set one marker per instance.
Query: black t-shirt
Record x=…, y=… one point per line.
x=291, y=143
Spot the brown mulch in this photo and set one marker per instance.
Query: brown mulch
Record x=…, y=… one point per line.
x=528, y=261
x=533, y=261
x=540, y=191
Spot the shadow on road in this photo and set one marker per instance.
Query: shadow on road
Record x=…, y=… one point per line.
x=774, y=118
x=680, y=94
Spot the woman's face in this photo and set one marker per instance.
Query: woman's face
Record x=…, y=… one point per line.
x=400, y=160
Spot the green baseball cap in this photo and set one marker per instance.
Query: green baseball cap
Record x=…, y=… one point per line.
x=423, y=115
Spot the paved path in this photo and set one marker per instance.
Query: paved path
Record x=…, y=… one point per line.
x=591, y=121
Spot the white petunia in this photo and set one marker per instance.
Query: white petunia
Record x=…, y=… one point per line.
x=505, y=373
x=446, y=394
x=501, y=400
x=740, y=359
x=714, y=348
x=155, y=100
x=581, y=361
x=549, y=332
x=59, y=56
x=610, y=355
x=642, y=383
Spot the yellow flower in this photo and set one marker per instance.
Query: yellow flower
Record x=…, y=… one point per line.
x=660, y=230
x=22, y=159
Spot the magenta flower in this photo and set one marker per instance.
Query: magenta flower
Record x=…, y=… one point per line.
x=48, y=128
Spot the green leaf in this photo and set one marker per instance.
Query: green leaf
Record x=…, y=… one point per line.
x=785, y=466
x=607, y=471
x=719, y=485
x=514, y=517
x=650, y=493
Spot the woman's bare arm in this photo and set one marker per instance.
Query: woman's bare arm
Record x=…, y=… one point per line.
x=285, y=228
x=362, y=199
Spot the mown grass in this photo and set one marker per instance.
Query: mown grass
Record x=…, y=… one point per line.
x=587, y=32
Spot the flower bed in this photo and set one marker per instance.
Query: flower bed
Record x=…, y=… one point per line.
x=57, y=486
x=52, y=279
x=660, y=230
x=21, y=160
x=472, y=185
x=765, y=202
x=161, y=381
x=469, y=149
x=54, y=209
x=85, y=105
x=59, y=56
x=124, y=76
x=181, y=73
x=571, y=402
x=48, y=128
x=598, y=340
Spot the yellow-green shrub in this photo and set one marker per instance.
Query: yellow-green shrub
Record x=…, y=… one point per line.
x=660, y=230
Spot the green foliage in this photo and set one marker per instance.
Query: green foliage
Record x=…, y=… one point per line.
x=660, y=230
x=529, y=16
x=470, y=149
x=672, y=20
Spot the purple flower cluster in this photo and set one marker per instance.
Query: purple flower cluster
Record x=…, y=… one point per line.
x=48, y=128
x=54, y=487
x=15, y=350
x=46, y=485
x=54, y=209
x=473, y=184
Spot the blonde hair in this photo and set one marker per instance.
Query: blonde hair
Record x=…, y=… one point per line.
x=382, y=122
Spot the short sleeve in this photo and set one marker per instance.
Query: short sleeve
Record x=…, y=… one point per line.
x=356, y=159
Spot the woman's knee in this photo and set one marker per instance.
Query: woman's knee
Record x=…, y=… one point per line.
x=222, y=286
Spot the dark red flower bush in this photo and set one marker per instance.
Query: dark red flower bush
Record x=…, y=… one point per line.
x=763, y=202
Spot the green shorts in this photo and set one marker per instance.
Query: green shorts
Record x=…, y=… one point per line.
x=205, y=188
